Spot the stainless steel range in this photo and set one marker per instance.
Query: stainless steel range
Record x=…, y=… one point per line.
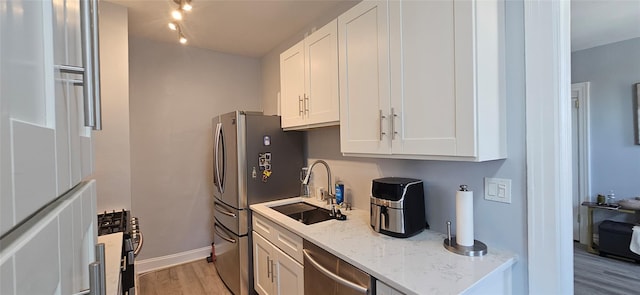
x=254, y=162
x=120, y=221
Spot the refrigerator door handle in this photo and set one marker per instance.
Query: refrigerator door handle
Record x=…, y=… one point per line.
x=216, y=158
x=221, y=210
x=223, y=169
x=223, y=236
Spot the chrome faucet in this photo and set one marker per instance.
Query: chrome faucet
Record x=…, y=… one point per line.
x=330, y=195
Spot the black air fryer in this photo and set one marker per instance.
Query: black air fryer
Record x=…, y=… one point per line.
x=397, y=206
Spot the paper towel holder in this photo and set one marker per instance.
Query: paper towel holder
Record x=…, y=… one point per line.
x=478, y=248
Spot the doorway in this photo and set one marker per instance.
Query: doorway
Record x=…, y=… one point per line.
x=580, y=158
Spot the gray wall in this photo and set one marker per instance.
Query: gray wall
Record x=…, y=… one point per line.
x=175, y=91
x=499, y=225
x=111, y=144
x=613, y=70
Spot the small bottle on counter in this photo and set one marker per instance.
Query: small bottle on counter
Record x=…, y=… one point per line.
x=339, y=193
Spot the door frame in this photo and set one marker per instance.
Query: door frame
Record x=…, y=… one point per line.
x=548, y=146
x=582, y=91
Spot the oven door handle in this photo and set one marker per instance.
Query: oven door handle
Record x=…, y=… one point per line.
x=225, y=212
x=333, y=276
x=222, y=235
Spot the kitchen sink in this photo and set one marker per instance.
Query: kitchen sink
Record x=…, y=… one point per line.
x=303, y=212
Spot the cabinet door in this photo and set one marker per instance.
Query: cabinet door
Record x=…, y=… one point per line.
x=27, y=111
x=321, y=80
x=425, y=112
x=292, y=86
x=77, y=239
x=289, y=275
x=45, y=249
x=263, y=256
x=73, y=140
x=363, y=54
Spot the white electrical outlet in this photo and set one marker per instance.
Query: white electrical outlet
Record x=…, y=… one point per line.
x=497, y=189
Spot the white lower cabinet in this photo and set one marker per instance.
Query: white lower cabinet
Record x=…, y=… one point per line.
x=274, y=271
x=384, y=289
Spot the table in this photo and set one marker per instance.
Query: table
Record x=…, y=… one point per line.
x=592, y=206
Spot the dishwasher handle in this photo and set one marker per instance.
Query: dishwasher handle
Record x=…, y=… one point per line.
x=334, y=276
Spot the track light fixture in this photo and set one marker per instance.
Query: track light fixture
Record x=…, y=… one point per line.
x=178, y=15
x=183, y=4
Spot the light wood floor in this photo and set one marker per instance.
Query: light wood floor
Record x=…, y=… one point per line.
x=602, y=275
x=194, y=278
x=593, y=275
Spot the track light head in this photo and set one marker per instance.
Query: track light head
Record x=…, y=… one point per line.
x=176, y=14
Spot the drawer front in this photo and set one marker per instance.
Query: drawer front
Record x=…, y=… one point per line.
x=282, y=238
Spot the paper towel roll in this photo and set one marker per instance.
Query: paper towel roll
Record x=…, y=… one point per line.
x=464, y=218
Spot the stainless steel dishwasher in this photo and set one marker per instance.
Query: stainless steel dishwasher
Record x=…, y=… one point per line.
x=326, y=274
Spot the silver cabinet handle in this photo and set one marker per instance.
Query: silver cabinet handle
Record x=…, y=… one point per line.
x=66, y=69
x=221, y=210
x=100, y=258
x=222, y=235
x=393, y=124
x=94, y=279
x=269, y=268
x=273, y=273
x=97, y=104
x=91, y=61
x=380, y=118
x=97, y=274
x=299, y=106
x=306, y=104
x=333, y=276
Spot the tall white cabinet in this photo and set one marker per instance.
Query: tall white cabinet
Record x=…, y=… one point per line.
x=47, y=213
x=45, y=149
x=423, y=80
x=309, y=81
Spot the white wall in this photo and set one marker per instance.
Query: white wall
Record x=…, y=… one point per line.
x=498, y=225
x=175, y=91
x=111, y=144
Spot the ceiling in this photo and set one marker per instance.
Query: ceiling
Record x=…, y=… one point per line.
x=599, y=22
x=254, y=27
x=243, y=27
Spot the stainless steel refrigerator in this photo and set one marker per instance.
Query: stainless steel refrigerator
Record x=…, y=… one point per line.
x=254, y=162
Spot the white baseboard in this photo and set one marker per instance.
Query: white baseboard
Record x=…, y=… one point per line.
x=161, y=262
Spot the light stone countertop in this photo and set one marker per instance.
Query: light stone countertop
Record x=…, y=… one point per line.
x=416, y=265
x=113, y=255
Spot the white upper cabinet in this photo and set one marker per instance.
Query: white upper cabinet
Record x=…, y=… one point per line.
x=443, y=97
x=292, y=86
x=364, y=79
x=309, y=81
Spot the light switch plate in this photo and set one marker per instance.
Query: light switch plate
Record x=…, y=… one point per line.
x=497, y=189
